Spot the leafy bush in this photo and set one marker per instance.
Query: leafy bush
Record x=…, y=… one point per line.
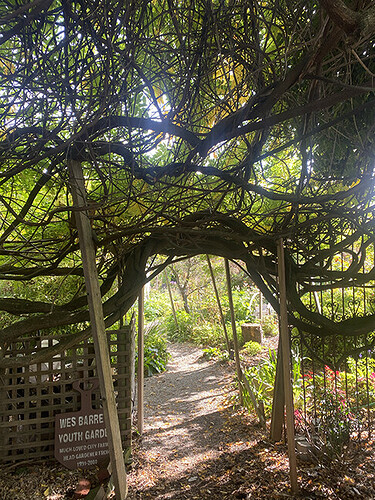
x=262, y=379
x=329, y=428
x=270, y=325
x=156, y=305
x=330, y=422
x=202, y=325
x=336, y=422
x=154, y=361
x=215, y=353
x=252, y=348
x=155, y=349
x=205, y=305
x=183, y=331
x=360, y=380
x=209, y=334
x=241, y=305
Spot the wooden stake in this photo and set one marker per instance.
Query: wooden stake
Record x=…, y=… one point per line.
x=288, y=389
x=140, y=368
x=234, y=329
x=261, y=298
x=278, y=403
x=98, y=328
x=218, y=303
x=171, y=298
x=317, y=302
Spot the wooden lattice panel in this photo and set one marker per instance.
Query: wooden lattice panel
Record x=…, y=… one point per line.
x=31, y=396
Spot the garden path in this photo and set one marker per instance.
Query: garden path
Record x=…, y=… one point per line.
x=198, y=445
x=190, y=439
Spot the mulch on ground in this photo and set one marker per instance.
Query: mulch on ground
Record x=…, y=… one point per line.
x=198, y=444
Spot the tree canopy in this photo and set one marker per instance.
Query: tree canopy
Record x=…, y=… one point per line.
x=208, y=126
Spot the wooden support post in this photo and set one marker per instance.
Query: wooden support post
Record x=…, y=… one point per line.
x=132, y=367
x=278, y=403
x=98, y=328
x=125, y=371
x=288, y=389
x=261, y=297
x=218, y=303
x=317, y=302
x=234, y=329
x=171, y=298
x=140, y=368
x=3, y=405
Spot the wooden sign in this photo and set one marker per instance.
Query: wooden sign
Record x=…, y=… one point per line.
x=81, y=440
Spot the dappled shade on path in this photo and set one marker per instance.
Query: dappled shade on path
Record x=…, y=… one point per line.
x=192, y=440
x=198, y=445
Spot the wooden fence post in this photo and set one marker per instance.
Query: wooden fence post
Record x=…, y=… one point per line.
x=278, y=403
x=171, y=298
x=288, y=389
x=218, y=303
x=260, y=307
x=234, y=329
x=125, y=371
x=140, y=368
x=94, y=298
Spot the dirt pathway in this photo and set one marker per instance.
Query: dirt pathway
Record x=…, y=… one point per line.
x=187, y=432
x=198, y=446
x=182, y=413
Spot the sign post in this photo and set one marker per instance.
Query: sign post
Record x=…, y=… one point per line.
x=98, y=328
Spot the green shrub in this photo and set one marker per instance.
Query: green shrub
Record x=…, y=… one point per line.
x=205, y=306
x=270, y=325
x=156, y=305
x=210, y=334
x=241, y=305
x=183, y=331
x=262, y=378
x=215, y=353
x=336, y=423
x=332, y=420
x=155, y=349
x=252, y=348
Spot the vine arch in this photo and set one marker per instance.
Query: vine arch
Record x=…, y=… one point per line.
x=223, y=235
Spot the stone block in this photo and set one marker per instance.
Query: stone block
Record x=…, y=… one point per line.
x=252, y=332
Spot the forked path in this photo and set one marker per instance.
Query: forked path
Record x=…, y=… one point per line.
x=185, y=427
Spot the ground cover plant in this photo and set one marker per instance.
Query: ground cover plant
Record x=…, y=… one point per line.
x=331, y=407
x=155, y=349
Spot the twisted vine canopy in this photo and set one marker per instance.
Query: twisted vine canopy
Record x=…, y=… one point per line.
x=208, y=126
